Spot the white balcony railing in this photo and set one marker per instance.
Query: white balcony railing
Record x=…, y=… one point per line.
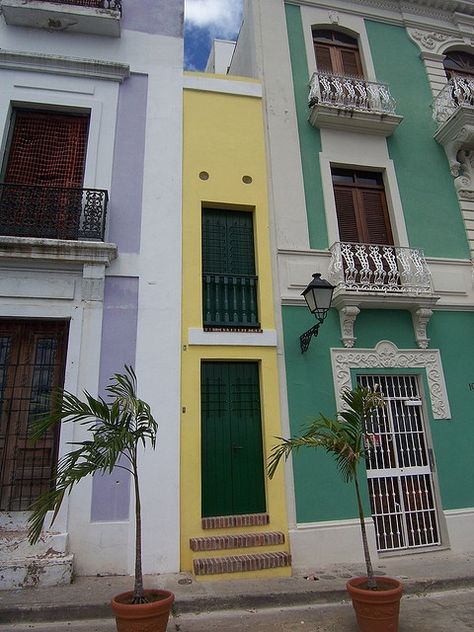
x=350, y=92
x=379, y=268
x=458, y=92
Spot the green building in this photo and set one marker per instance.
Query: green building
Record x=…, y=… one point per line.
x=369, y=111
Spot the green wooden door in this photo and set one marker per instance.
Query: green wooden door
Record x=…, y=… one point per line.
x=231, y=439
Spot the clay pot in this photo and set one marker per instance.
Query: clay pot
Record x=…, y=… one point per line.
x=376, y=610
x=142, y=617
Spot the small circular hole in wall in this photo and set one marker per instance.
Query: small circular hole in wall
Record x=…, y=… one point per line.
x=204, y=175
x=247, y=180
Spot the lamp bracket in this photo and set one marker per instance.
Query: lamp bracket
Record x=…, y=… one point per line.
x=305, y=338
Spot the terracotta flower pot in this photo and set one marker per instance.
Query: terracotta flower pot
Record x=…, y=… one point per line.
x=376, y=610
x=142, y=617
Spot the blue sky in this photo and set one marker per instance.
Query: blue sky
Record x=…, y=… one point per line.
x=206, y=20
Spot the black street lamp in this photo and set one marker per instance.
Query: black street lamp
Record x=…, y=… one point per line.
x=318, y=297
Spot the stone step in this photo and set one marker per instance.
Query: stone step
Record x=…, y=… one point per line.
x=14, y=544
x=241, y=563
x=34, y=571
x=236, y=541
x=241, y=520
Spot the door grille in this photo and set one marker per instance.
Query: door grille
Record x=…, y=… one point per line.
x=31, y=367
x=398, y=467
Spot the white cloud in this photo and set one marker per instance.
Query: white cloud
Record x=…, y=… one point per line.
x=221, y=17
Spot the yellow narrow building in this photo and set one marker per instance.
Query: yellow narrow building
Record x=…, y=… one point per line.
x=233, y=518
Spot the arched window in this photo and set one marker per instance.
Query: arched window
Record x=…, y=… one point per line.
x=459, y=63
x=336, y=53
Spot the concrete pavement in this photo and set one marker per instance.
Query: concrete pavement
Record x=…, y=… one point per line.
x=435, y=612
x=89, y=597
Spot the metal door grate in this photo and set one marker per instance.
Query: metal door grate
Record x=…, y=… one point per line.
x=31, y=366
x=398, y=467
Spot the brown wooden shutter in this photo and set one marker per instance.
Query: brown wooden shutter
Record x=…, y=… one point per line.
x=350, y=63
x=47, y=149
x=376, y=222
x=323, y=58
x=346, y=214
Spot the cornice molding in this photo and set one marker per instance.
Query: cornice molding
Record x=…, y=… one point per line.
x=71, y=66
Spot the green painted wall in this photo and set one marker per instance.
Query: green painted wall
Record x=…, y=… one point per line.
x=320, y=493
x=432, y=215
x=310, y=140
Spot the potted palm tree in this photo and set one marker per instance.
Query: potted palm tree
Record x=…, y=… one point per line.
x=376, y=600
x=117, y=429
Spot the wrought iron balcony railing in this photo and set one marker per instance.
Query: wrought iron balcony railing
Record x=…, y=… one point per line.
x=350, y=92
x=459, y=91
x=379, y=268
x=52, y=212
x=115, y=5
x=230, y=301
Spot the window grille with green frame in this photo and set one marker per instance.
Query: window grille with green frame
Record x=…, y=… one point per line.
x=229, y=285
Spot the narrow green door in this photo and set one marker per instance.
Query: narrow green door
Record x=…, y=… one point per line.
x=231, y=439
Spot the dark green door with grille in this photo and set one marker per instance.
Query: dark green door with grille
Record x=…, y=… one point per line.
x=231, y=439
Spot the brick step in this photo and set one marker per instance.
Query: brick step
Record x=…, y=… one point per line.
x=236, y=541
x=241, y=520
x=241, y=563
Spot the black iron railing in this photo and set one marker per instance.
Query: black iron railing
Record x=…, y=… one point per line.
x=52, y=212
x=230, y=301
x=115, y=5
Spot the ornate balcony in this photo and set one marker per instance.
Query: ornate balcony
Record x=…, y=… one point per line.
x=52, y=212
x=352, y=103
x=230, y=301
x=382, y=277
x=99, y=17
x=453, y=110
x=458, y=93
x=379, y=268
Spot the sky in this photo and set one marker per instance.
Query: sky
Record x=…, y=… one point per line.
x=204, y=21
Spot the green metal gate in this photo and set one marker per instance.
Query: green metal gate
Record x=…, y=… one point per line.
x=231, y=439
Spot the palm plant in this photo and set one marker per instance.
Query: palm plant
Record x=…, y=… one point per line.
x=116, y=429
x=347, y=439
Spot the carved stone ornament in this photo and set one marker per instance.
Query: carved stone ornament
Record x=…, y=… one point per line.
x=334, y=17
x=347, y=318
x=421, y=317
x=428, y=40
x=386, y=355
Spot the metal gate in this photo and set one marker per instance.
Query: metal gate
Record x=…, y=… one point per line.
x=399, y=467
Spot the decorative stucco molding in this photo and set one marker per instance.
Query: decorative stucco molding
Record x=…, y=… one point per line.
x=347, y=318
x=386, y=355
x=429, y=41
x=421, y=317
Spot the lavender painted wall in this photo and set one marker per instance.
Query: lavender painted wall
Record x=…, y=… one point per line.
x=125, y=209
x=111, y=493
x=159, y=17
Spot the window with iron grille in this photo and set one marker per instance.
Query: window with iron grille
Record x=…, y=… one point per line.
x=228, y=267
x=32, y=358
x=337, y=53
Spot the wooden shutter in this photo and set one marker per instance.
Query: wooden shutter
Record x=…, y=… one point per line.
x=362, y=213
x=227, y=242
x=350, y=63
x=346, y=214
x=323, y=58
x=375, y=217
x=47, y=149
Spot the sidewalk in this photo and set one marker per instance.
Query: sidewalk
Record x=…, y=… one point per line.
x=89, y=597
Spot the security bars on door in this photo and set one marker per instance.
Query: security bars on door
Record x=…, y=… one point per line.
x=399, y=468
x=26, y=468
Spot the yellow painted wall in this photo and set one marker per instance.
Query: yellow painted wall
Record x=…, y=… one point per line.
x=224, y=137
